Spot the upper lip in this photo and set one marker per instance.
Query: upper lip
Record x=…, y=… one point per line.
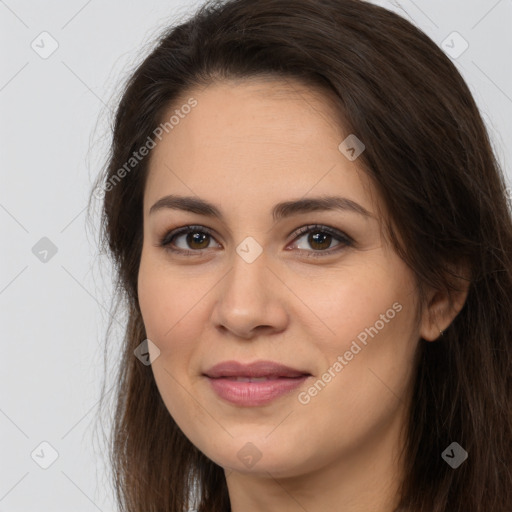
x=255, y=369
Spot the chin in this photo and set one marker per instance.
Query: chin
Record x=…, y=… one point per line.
x=252, y=457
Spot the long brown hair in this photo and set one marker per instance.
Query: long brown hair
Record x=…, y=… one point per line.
x=428, y=154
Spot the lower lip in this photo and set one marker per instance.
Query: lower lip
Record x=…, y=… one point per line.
x=252, y=394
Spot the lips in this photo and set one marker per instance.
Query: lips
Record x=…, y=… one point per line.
x=254, y=384
x=259, y=370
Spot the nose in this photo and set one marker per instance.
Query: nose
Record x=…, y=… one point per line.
x=250, y=300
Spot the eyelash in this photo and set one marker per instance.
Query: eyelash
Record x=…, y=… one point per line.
x=345, y=240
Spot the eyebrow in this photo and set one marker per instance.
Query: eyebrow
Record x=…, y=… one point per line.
x=279, y=211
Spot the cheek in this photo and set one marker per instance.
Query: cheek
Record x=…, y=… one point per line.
x=166, y=305
x=347, y=301
x=369, y=318
x=154, y=297
x=164, y=299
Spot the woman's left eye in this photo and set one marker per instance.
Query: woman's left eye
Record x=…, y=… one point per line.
x=321, y=237
x=317, y=236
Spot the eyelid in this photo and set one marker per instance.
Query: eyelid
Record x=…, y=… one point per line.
x=165, y=240
x=324, y=228
x=344, y=239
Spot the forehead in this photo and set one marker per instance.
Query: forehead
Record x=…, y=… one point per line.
x=259, y=110
x=262, y=140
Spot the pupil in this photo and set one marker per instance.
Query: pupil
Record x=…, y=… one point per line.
x=194, y=238
x=320, y=238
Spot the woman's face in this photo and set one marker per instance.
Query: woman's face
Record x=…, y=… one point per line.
x=334, y=304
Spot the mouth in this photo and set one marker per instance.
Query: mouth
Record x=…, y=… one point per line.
x=255, y=379
x=254, y=384
x=268, y=370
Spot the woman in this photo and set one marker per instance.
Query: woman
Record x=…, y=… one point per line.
x=312, y=236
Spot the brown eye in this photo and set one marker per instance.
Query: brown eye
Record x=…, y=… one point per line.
x=198, y=238
x=319, y=240
x=187, y=240
x=193, y=240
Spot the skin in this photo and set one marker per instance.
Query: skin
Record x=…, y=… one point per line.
x=246, y=146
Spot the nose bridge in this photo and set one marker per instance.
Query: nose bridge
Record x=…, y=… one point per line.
x=245, y=284
x=248, y=298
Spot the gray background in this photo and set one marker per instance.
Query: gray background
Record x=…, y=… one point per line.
x=55, y=114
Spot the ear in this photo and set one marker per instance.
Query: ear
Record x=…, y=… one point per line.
x=443, y=306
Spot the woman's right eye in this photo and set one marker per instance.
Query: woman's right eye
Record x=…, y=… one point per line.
x=194, y=240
